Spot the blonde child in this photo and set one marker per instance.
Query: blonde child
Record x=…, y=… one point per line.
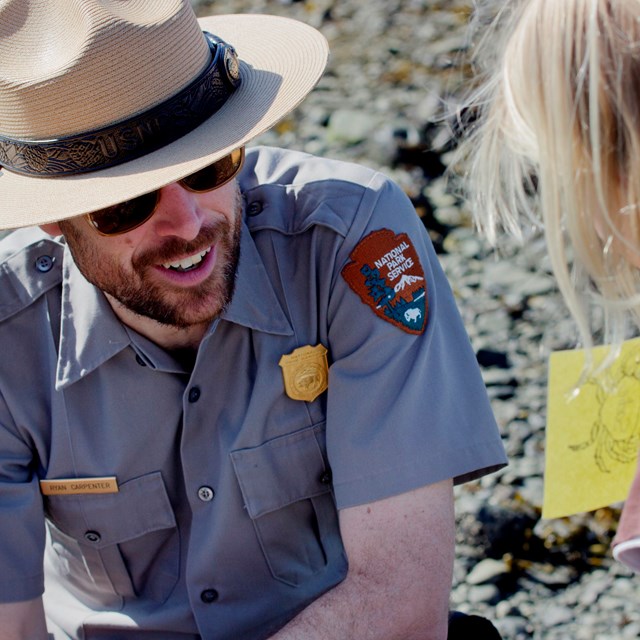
x=554, y=143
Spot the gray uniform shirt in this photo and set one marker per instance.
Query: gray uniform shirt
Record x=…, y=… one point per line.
x=224, y=524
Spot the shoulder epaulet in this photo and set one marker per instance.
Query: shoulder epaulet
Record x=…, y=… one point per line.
x=28, y=273
x=291, y=191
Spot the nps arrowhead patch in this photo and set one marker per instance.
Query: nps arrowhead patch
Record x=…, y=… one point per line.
x=387, y=275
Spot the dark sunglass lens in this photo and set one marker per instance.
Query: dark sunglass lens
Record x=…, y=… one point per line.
x=216, y=174
x=125, y=216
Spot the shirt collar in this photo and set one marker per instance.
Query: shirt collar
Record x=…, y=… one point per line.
x=91, y=334
x=255, y=304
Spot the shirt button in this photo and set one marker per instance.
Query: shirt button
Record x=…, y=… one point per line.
x=194, y=394
x=44, y=263
x=92, y=536
x=325, y=478
x=140, y=361
x=206, y=494
x=208, y=596
x=254, y=208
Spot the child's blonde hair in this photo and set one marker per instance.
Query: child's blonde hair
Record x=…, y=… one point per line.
x=556, y=139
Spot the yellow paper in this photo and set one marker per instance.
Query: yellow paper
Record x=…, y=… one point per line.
x=593, y=431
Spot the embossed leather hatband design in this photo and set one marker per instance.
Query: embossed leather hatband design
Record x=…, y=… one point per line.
x=133, y=137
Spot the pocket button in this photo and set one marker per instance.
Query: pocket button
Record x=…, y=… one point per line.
x=208, y=596
x=92, y=536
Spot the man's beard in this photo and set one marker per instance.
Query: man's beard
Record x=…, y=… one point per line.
x=178, y=307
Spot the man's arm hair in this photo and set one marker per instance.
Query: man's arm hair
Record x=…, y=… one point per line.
x=401, y=552
x=22, y=620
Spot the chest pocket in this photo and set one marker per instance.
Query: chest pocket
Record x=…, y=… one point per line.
x=111, y=546
x=286, y=487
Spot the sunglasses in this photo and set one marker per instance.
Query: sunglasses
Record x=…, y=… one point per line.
x=126, y=216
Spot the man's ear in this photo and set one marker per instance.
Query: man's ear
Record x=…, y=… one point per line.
x=52, y=228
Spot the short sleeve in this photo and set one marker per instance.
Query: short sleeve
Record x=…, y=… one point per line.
x=22, y=528
x=406, y=404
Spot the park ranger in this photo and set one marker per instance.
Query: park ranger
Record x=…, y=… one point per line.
x=235, y=391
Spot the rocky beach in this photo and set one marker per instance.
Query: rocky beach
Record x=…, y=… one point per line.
x=397, y=66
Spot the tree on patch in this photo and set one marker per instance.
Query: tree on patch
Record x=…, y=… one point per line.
x=376, y=285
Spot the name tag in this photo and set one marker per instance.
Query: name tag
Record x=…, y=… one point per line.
x=75, y=486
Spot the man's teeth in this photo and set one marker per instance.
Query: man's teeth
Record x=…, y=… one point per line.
x=187, y=263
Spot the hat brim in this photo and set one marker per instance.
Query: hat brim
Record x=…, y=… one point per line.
x=281, y=61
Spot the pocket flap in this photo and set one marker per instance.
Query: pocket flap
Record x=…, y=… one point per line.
x=140, y=506
x=283, y=470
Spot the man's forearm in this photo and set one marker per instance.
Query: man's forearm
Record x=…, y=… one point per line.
x=361, y=611
x=401, y=554
x=23, y=620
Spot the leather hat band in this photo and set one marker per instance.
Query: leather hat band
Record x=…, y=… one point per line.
x=136, y=136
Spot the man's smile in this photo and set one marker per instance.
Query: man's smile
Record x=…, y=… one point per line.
x=187, y=263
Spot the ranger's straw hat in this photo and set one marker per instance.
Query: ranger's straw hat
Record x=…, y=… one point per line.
x=104, y=100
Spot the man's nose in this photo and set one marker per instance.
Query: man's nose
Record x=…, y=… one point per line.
x=177, y=213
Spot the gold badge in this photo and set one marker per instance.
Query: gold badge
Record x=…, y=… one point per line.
x=305, y=371
x=78, y=486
